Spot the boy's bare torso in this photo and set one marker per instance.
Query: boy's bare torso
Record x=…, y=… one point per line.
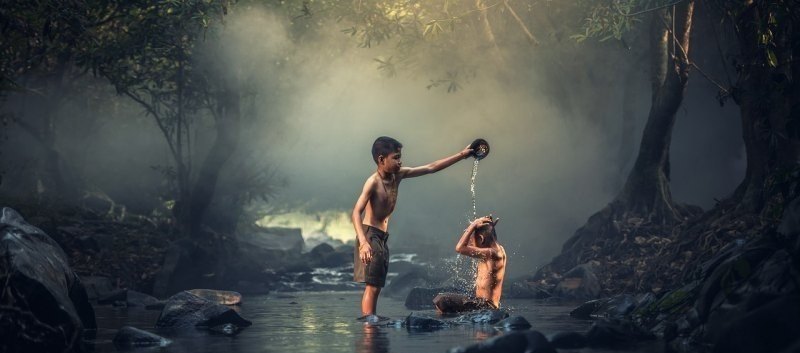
x=382, y=200
x=491, y=272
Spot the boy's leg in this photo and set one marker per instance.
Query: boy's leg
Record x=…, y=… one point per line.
x=369, y=302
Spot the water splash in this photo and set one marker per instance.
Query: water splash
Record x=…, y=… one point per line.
x=472, y=189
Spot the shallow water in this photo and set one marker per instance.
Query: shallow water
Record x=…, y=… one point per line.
x=324, y=322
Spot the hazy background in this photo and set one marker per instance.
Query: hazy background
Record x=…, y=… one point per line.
x=551, y=114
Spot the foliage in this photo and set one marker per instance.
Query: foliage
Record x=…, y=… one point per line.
x=421, y=36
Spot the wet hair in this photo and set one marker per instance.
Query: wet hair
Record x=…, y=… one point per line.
x=383, y=146
x=487, y=229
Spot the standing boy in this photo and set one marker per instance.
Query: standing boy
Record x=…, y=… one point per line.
x=378, y=198
x=491, y=269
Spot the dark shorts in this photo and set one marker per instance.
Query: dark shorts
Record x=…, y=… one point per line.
x=454, y=303
x=373, y=273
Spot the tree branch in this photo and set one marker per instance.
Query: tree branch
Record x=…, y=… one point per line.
x=528, y=33
x=150, y=109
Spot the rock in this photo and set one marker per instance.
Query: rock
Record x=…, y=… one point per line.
x=524, y=289
x=156, y=306
x=128, y=298
x=320, y=250
x=482, y=317
x=615, y=307
x=730, y=272
x=400, y=286
x=615, y=334
x=513, y=323
x=226, y=329
x=769, y=328
x=119, y=295
x=568, y=340
x=223, y=297
x=274, y=238
x=42, y=293
x=131, y=337
x=422, y=298
x=97, y=286
x=419, y=322
x=527, y=341
x=337, y=259
x=186, y=310
x=578, y=283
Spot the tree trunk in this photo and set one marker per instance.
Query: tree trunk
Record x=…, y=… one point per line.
x=227, y=126
x=768, y=96
x=646, y=193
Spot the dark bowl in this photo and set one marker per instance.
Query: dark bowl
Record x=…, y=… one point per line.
x=480, y=148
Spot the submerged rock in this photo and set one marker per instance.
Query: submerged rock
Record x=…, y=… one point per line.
x=47, y=306
x=131, y=337
x=514, y=323
x=482, y=317
x=419, y=322
x=527, y=341
x=186, y=310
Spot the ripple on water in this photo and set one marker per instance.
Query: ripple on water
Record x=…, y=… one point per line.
x=325, y=322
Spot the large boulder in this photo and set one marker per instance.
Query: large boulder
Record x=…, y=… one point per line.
x=44, y=306
x=578, y=283
x=771, y=328
x=186, y=310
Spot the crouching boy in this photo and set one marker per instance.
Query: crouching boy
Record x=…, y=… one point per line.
x=479, y=241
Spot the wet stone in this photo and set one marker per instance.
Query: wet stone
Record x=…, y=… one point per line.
x=419, y=322
x=482, y=317
x=514, y=323
x=223, y=297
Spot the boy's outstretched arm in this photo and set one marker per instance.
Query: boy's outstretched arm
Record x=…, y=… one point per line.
x=364, y=249
x=410, y=172
x=463, y=247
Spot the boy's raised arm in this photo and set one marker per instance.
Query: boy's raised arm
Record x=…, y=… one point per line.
x=433, y=167
x=463, y=247
x=364, y=249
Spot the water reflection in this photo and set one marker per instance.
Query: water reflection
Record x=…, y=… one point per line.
x=373, y=340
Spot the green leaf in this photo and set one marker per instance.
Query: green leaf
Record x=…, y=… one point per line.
x=772, y=60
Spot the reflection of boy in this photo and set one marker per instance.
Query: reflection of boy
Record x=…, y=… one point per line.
x=377, y=201
x=491, y=269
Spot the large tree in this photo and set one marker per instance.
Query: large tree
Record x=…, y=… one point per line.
x=151, y=54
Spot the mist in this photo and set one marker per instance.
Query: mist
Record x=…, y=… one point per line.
x=319, y=102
